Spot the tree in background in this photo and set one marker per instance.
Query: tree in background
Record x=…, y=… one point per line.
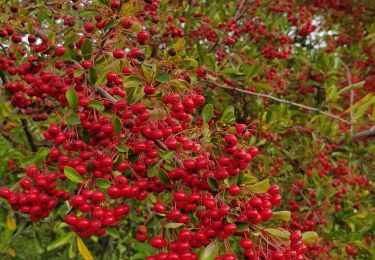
x=187, y=129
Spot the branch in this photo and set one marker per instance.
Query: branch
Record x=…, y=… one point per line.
x=317, y=110
x=40, y=33
x=29, y=136
x=364, y=134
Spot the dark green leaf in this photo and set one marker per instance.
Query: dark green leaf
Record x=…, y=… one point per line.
x=212, y=182
x=86, y=49
x=93, y=76
x=163, y=177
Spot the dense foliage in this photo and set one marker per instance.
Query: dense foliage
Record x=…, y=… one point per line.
x=187, y=129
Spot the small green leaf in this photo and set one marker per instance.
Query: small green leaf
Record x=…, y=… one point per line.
x=209, y=252
x=207, y=113
x=103, y=183
x=98, y=105
x=122, y=148
x=66, y=238
x=309, y=237
x=281, y=215
x=117, y=126
x=41, y=155
x=113, y=232
x=86, y=49
x=212, y=182
x=260, y=187
x=72, y=98
x=228, y=115
x=72, y=174
x=242, y=226
x=167, y=155
x=73, y=119
x=173, y=225
x=163, y=77
x=163, y=177
x=153, y=171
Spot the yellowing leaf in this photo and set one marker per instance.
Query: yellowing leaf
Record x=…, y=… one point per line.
x=281, y=234
x=82, y=249
x=180, y=44
x=309, y=237
x=281, y=215
x=260, y=187
x=11, y=252
x=11, y=223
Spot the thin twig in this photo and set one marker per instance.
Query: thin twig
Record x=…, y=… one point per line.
x=317, y=110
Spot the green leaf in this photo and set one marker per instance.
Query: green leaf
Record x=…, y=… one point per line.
x=98, y=105
x=212, y=182
x=122, y=148
x=73, y=119
x=113, y=232
x=207, y=113
x=37, y=242
x=66, y=238
x=93, y=76
x=109, y=25
x=86, y=49
x=163, y=77
x=281, y=215
x=228, y=115
x=250, y=70
x=242, y=226
x=309, y=237
x=41, y=155
x=260, y=187
x=72, y=175
x=281, y=234
x=103, y=183
x=72, y=98
x=117, y=126
x=209, y=252
x=152, y=171
x=163, y=177
x=173, y=225
x=167, y=155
